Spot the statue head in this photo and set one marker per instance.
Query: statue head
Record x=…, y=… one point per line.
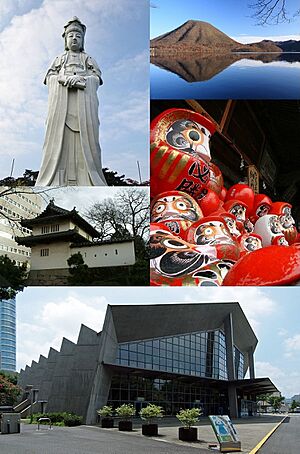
x=74, y=34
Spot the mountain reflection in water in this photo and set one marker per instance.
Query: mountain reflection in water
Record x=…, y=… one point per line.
x=206, y=67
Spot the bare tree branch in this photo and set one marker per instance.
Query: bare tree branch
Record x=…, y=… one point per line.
x=270, y=12
x=127, y=212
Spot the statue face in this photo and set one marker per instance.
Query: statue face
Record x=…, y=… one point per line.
x=74, y=40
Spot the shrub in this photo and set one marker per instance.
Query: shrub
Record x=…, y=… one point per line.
x=59, y=418
x=72, y=420
x=150, y=412
x=189, y=417
x=105, y=411
x=125, y=411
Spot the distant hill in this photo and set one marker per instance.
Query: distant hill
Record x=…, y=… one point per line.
x=202, y=37
x=289, y=46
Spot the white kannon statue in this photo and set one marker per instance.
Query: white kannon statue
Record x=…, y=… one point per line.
x=71, y=152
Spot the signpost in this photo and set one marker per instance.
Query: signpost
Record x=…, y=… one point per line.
x=225, y=433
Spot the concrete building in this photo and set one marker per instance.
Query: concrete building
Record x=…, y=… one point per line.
x=8, y=335
x=58, y=233
x=16, y=204
x=177, y=356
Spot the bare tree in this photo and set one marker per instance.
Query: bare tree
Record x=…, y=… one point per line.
x=127, y=212
x=268, y=12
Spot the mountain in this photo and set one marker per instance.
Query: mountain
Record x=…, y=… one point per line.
x=289, y=46
x=201, y=37
x=194, y=33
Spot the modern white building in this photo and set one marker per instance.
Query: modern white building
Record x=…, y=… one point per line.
x=58, y=233
x=16, y=204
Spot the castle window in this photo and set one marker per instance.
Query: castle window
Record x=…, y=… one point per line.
x=116, y=251
x=55, y=228
x=45, y=229
x=44, y=252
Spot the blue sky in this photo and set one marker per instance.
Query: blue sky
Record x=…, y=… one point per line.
x=46, y=315
x=230, y=16
x=117, y=37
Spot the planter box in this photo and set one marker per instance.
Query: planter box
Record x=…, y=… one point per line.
x=107, y=423
x=187, y=434
x=150, y=430
x=125, y=426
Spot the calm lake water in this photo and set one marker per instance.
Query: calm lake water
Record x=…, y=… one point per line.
x=234, y=76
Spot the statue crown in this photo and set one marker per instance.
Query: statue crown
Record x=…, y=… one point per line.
x=74, y=24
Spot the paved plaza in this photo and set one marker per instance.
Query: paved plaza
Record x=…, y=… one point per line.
x=94, y=440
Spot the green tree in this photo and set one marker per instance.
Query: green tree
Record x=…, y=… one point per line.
x=12, y=277
x=275, y=402
x=79, y=271
x=9, y=391
x=294, y=405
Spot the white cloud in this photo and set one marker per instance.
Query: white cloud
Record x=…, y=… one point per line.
x=55, y=320
x=293, y=343
x=265, y=369
x=247, y=62
x=287, y=383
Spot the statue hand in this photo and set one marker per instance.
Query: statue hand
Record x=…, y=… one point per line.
x=72, y=80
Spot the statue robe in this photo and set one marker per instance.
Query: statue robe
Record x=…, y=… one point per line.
x=71, y=152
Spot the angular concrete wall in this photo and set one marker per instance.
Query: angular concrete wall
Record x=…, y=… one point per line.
x=102, y=380
x=46, y=378
x=60, y=377
x=81, y=378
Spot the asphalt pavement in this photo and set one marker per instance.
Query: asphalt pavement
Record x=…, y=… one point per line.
x=286, y=439
x=85, y=440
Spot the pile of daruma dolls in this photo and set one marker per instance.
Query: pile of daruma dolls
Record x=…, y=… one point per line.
x=203, y=234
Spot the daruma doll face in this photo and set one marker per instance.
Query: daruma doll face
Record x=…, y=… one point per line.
x=189, y=137
x=175, y=206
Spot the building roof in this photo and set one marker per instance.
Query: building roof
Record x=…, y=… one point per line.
x=248, y=386
x=54, y=213
x=137, y=322
x=67, y=235
x=256, y=385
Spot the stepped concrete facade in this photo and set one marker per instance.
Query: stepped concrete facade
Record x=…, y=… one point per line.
x=175, y=355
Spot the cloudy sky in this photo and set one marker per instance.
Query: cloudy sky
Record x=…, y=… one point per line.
x=117, y=37
x=232, y=17
x=82, y=198
x=46, y=315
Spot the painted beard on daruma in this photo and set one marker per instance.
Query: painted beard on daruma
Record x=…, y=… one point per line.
x=172, y=256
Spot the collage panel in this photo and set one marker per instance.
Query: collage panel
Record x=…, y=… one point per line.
x=76, y=65
x=98, y=358
x=225, y=195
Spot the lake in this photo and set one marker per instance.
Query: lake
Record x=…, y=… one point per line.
x=232, y=76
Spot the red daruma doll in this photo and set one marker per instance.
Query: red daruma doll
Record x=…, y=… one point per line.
x=284, y=211
x=180, y=151
x=270, y=230
x=213, y=231
x=176, y=210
